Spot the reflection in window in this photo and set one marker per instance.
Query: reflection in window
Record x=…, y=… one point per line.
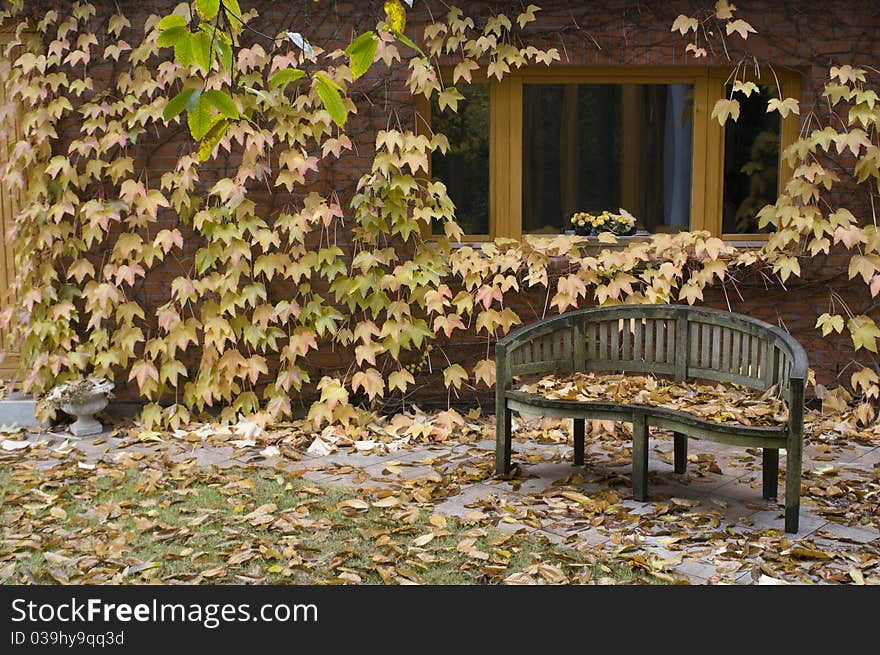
x=464, y=169
x=751, y=161
x=592, y=147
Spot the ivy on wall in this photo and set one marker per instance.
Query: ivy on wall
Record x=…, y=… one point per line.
x=94, y=224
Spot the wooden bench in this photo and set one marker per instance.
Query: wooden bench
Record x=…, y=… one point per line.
x=674, y=340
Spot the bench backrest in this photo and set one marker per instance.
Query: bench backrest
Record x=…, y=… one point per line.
x=676, y=340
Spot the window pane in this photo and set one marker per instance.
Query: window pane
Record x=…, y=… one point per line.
x=592, y=147
x=751, y=161
x=464, y=169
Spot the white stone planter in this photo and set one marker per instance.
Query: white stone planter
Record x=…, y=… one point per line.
x=86, y=423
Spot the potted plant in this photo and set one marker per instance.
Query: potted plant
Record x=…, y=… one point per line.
x=83, y=399
x=587, y=224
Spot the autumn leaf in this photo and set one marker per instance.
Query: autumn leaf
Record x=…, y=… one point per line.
x=484, y=372
x=864, y=332
x=684, y=24
x=400, y=380
x=725, y=109
x=395, y=14
x=784, y=107
x=454, y=375
x=739, y=26
x=829, y=323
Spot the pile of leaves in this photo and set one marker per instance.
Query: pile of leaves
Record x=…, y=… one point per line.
x=719, y=402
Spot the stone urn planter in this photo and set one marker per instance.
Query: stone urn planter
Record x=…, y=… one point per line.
x=84, y=410
x=82, y=399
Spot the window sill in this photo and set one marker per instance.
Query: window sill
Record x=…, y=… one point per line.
x=592, y=242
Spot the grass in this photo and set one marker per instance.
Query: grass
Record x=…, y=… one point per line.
x=255, y=526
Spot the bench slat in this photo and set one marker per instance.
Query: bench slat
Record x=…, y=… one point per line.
x=716, y=346
x=638, y=341
x=615, y=341
x=736, y=359
x=726, y=345
x=677, y=348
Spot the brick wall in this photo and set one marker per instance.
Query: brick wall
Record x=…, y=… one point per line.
x=806, y=36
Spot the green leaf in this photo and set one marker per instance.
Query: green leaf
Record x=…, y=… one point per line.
x=212, y=138
x=222, y=101
x=199, y=119
x=301, y=43
x=177, y=104
x=256, y=92
x=233, y=9
x=331, y=98
x=362, y=53
x=183, y=51
x=170, y=37
x=224, y=52
x=194, y=98
x=405, y=40
x=285, y=77
x=208, y=9
x=202, y=50
x=171, y=21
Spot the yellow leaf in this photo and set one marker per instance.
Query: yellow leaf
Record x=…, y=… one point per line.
x=724, y=10
x=784, y=107
x=828, y=323
x=390, y=501
x=454, y=375
x=864, y=266
x=786, y=266
x=725, y=109
x=484, y=371
x=424, y=540
x=864, y=333
x=865, y=379
x=685, y=24
x=740, y=27
x=371, y=381
x=400, y=380
x=396, y=15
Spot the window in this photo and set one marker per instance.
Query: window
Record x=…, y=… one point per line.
x=529, y=151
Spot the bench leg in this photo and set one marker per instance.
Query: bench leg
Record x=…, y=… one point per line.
x=579, y=430
x=771, y=472
x=640, y=458
x=502, y=441
x=792, y=483
x=681, y=451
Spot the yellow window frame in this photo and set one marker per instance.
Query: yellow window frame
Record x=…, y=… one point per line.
x=9, y=203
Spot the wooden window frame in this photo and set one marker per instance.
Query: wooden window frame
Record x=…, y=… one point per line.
x=9, y=203
x=707, y=181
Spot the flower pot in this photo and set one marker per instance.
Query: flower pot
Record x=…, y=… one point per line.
x=85, y=410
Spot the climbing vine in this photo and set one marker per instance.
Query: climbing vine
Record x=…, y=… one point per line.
x=254, y=289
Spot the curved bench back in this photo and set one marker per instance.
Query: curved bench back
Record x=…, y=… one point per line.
x=675, y=340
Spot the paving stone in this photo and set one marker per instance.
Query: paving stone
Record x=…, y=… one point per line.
x=857, y=534
x=405, y=472
x=457, y=505
x=703, y=571
x=340, y=480
x=775, y=520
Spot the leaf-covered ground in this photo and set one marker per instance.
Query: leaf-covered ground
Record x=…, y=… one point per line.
x=413, y=498
x=156, y=520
